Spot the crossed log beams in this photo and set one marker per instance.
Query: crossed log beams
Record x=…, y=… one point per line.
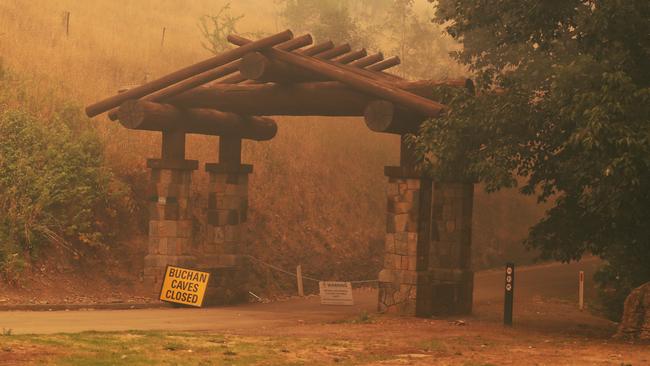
x=359, y=79
x=214, y=74
x=256, y=66
x=381, y=115
x=187, y=72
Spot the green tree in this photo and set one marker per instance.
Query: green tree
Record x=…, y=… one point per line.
x=216, y=28
x=564, y=108
x=326, y=20
x=421, y=44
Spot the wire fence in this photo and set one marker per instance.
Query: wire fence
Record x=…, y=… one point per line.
x=269, y=265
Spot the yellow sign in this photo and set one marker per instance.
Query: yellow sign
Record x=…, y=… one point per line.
x=184, y=286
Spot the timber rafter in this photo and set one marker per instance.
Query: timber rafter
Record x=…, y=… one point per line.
x=228, y=94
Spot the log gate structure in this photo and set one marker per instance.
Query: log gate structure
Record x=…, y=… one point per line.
x=426, y=267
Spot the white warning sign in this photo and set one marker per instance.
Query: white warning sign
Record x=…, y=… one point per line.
x=335, y=293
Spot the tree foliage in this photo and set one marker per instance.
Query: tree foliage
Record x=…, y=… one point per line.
x=327, y=20
x=216, y=28
x=564, y=108
x=421, y=45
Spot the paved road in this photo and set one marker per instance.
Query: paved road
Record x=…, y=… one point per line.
x=547, y=280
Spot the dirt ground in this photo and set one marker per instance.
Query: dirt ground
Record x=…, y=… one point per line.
x=358, y=340
x=548, y=330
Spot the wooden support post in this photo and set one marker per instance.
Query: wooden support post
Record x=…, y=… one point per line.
x=229, y=151
x=301, y=291
x=407, y=155
x=173, y=145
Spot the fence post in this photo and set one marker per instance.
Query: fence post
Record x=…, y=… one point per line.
x=301, y=291
x=581, y=290
x=162, y=40
x=67, y=23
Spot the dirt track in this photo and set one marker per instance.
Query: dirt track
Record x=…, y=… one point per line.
x=533, y=284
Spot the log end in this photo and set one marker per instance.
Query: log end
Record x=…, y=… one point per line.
x=379, y=115
x=265, y=128
x=384, y=116
x=131, y=114
x=253, y=66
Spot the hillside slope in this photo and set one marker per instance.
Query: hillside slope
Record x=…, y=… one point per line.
x=317, y=191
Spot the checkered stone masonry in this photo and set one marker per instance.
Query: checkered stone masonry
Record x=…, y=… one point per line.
x=221, y=250
x=398, y=279
x=170, y=223
x=227, y=211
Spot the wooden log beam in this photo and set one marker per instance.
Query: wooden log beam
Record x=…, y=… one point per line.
x=270, y=99
x=317, y=48
x=286, y=73
x=351, y=56
x=185, y=73
x=385, y=116
x=301, y=99
x=229, y=76
x=260, y=68
x=214, y=74
x=351, y=77
x=385, y=64
x=151, y=116
x=327, y=49
x=368, y=60
x=334, y=52
x=326, y=54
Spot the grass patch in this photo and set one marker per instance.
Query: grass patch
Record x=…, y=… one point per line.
x=363, y=318
x=190, y=348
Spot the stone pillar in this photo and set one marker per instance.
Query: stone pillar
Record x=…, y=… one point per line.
x=428, y=239
x=170, y=220
x=408, y=196
x=227, y=212
x=408, y=210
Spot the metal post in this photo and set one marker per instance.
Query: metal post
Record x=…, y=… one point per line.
x=509, y=294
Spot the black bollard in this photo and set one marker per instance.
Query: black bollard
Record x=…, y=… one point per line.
x=509, y=294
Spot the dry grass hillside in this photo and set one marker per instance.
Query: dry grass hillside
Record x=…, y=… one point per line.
x=317, y=192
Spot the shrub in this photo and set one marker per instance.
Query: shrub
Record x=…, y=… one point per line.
x=54, y=188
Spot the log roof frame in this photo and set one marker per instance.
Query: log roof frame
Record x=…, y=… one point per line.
x=286, y=70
